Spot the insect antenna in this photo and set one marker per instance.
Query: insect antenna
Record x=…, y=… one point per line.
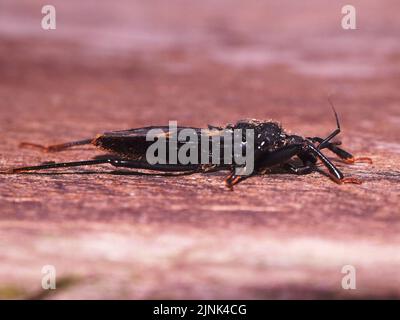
x=335, y=132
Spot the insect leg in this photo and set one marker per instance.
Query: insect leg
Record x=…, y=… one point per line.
x=269, y=159
x=342, y=154
x=157, y=167
x=58, y=165
x=299, y=170
x=233, y=179
x=264, y=160
x=334, y=173
x=56, y=147
x=112, y=161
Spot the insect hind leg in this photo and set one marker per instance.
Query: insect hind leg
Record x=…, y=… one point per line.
x=109, y=160
x=134, y=164
x=54, y=165
x=55, y=147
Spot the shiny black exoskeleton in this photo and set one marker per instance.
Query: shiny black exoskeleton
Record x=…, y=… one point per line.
x=272, y=147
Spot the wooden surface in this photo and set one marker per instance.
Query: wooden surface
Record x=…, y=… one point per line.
x=136, y=64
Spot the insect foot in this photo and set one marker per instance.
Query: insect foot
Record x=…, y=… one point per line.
x=351, y=180
x=346, y=180
x=359, y=160
x=233, y=179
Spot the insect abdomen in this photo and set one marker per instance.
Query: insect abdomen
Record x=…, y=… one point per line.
x=133, y=148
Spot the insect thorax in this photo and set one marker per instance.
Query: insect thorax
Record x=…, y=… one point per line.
x=268, y=135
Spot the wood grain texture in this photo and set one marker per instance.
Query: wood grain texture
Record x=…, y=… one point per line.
x=128, y=236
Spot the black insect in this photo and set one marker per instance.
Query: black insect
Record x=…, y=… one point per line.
x=272, y=147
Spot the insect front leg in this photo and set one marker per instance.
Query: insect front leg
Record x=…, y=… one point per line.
x=334, y=173
x=342, y=154
x=263, y=160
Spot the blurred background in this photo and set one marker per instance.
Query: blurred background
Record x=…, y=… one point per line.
x=117, y=65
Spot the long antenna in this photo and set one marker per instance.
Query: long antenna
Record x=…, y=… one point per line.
x=334, y=111
x=334, y=133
